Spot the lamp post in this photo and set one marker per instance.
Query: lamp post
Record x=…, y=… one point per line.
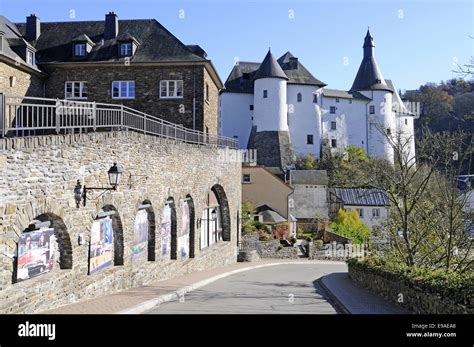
x=114, y=173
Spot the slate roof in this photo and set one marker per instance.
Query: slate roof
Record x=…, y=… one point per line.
x=362, y=196
x=157, y=43
x=13, y=42
x=310, y=177
x=369, y=76
x=270, y=216
x=269, y=68
x=334, y=93
x=241, y=77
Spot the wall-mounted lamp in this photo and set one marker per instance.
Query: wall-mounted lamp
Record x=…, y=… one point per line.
x=114, y=173
x=132, y=179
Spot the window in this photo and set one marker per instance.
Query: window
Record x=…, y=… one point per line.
x=372, y=109
x=75, y=90
x=389, y=132
x=315, y=98
x=126, y=49
x=30, y=57
x=265, y=93
x=207, y=92
x=360, y=211
x=332, y=109
x=406, y=121
x=246, y=178
x=80, y=49
x=299, y=97
x=309, y=139
x=350, y=101
x=337, y=100
x=211, y=222
x=376, y=212
x=123, y=89
x=333, y=125
x=236, y=137
x=171, y=89
x=333, y=143
x=251, y=107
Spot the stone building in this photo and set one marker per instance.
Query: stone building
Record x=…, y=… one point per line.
x=137, y=63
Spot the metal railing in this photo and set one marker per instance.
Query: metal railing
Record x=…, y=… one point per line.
x=26, y=116
x=250, y=246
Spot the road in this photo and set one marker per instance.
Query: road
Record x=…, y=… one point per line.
x=288, y=289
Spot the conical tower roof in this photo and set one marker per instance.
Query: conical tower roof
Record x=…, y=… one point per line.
x=270, y=68
x=369, y=76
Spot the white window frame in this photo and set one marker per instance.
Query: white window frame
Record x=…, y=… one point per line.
x=124, y=51
x=371, y=109
x=360, y=211
x=120, y=96
x=335, y=125
x=30, y=57
x=74, y=85
x=376, y=213
x=331, y=108
x=176, y=84
x=80, y=52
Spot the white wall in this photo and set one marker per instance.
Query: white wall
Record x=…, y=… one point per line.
x=309, y=202
x=236, y=117
x=368, y=219
x=270, y=113
x=304, y=118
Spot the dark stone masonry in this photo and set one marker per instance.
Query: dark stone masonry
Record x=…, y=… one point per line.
x=37, y=180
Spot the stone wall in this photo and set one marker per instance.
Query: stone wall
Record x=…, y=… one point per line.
x=272, y=249
x=413, y=299
x=147, y=90
x=26, y=83
x=37, y=179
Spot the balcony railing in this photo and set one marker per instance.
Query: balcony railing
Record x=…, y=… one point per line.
x=27, y=116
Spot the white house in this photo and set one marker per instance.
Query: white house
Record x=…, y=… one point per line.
x=283, y=97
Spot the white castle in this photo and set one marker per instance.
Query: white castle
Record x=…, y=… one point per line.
x=281, y=103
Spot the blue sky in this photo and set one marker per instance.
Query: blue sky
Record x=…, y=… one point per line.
x=416, y=41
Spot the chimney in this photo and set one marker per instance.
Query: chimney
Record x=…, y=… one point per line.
x=111, y=26
x=33, y=28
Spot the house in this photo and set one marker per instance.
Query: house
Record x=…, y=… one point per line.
x=279, y=104
x=372, y=205
x=137, y=63
x=268, y=194
x=309, y=199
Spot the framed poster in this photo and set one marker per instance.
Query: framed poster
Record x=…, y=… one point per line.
x=101, y=245
x=183, y=236
x=140, y=235
x=165, y=229
x=35, y=253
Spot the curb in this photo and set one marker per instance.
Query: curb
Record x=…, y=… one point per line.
x=149, y=304
x=334, y=300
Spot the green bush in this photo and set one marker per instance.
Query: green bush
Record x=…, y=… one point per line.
x=318, y=244
x=348, y=224
x=260, y=226
x=266, y=237
x=456, y=286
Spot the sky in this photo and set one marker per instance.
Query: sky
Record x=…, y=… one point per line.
x=416, y=41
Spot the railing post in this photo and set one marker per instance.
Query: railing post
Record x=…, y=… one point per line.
x=144, y=124
x=94, y=115
x=58, y=115
x=121, y=116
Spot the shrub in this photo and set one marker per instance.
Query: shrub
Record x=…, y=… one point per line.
x=266, y=237
x=348, y=224
x=318, y=244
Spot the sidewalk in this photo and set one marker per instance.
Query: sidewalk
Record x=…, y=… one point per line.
x=140, y=299
x=352, y=299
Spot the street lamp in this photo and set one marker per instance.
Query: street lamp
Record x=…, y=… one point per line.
x=114, y=173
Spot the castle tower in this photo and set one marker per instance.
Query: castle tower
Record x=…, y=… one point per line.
x=379, y=115
x=270, y=135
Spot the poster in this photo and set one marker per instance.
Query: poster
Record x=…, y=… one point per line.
x=140, y=236
x=183, y=236
x=165, y=229
x=101, y=245
x=35, y=253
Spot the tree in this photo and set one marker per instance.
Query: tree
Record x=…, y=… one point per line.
x=348, y=224
x=247, y=223
x=305, y=162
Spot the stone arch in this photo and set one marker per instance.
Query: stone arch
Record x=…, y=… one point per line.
x=118, y=233
x=192, y=226
x=174, y=231
x=62, y=238
x=151, y=231
x=225, y=211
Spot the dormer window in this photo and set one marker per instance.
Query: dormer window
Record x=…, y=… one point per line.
x=80, y=49
x=30, y=57
x=126, y=49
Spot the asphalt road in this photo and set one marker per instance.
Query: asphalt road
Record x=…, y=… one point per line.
x=277, y=289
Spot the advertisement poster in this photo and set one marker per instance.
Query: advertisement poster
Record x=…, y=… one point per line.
x=35, y=253
x=140, y=237
x=165, y=229
x=101, y=245
x=183, y=236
